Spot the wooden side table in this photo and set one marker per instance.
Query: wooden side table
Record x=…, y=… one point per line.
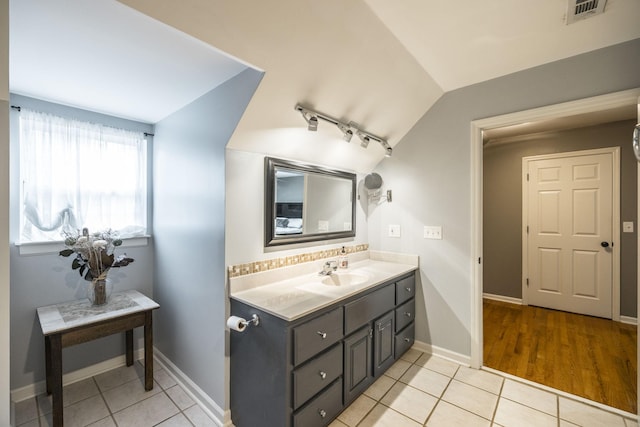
x=75, y=322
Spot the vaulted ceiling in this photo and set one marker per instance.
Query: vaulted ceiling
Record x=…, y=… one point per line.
x=380, y=64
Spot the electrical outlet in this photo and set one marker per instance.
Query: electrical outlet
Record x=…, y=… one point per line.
x=323, y=225
x=433, y=232
x=394, y=230
x=627, y=227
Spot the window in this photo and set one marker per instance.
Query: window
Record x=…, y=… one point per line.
x=78, y=174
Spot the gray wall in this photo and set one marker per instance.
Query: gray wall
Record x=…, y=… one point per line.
x=502, y=216
x=429, y=174
x=4, y=214
x=189, y=232
x=44, y=279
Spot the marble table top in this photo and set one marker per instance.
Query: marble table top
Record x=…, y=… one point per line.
x=67, y=315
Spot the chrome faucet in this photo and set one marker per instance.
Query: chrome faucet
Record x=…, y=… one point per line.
x=328, y=268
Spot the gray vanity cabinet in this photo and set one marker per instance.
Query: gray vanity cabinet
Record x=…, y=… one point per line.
x=303, y=373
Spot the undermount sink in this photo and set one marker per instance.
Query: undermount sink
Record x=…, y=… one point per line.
x=344, y=279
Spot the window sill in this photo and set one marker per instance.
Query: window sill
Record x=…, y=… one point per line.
x=41, y=248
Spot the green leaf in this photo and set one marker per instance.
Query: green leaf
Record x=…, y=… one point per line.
x=66, y=252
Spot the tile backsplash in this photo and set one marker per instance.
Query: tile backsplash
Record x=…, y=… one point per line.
x=274, y=263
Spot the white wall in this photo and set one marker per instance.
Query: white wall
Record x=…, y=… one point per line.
x=430, y=177
x=245, y=214
x=189, y=235
x=4, y=214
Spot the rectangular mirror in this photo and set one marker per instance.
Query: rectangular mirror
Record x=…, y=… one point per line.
x=305, y=203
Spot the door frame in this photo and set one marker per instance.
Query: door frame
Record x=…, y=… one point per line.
x=615, y=220
x=588, y=105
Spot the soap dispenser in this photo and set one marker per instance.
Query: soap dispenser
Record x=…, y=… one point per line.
x=343, y=260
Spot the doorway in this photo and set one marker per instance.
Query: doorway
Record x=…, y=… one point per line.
x=623, y=99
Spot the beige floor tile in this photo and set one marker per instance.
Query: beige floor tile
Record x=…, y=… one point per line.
x=128, y=393
x=411, y=355
x=163, y=378
x=85, y=412
x=481, y=379
x=199, y=418
x=26, y=410
x=564, y=423
x=148, y=412
x=381, y=416
x=105, y=422
x=379, y=387
x=530, y=396
x=397, y=369
x=438, y=364
x=119, y=376
x=630, y=423
x=426, y=380
x=78, y=391
x=337, y=423
x=448, y=415
x=180, y=397
x=587, y=416
x=472, y=399
x=357, y=410
x=513, y=414
x=410, y=402
x=178, y=420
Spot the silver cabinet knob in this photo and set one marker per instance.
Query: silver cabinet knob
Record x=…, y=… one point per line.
x=322, y=334
x=322, y=374
x=407, y=314
x=407, y=339
x=322, y=413
x=408, y=289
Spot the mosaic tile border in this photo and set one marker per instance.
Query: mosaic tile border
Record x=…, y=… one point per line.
x=274, y=263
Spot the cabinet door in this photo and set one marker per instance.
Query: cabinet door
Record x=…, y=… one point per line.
x=357, y=363
x=383, y=342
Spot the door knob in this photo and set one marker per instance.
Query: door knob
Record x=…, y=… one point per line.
x=604, y=244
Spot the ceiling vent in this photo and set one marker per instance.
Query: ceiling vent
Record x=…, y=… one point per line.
x=582, y=9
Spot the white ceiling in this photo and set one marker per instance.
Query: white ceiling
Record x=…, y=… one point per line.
x=381, y=64
x=104, y=56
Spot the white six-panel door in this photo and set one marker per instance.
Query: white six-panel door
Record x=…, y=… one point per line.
x=569, y=215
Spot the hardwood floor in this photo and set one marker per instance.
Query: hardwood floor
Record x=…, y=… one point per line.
x=583, y=355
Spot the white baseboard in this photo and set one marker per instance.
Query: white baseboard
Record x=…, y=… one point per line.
x=503, y=298
x=213, y=410
x=628, y=319
x=40, y=387
x=442, y=352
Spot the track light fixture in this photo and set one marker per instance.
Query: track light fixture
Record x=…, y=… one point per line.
x=311, y=117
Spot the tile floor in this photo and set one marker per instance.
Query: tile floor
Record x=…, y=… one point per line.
x=418, y=390
x=118, y=398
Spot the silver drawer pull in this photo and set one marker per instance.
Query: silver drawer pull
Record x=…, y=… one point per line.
x=322, y=334
x=322, y=374
x=407, y=314
x=407, y=339
x=322, y=413
x=408, y=289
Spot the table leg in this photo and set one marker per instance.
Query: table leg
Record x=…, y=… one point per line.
x=55, y=361
x=129, y=346
x=47, y=362
x=148, y=351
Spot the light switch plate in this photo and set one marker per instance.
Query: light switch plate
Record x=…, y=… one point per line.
x=323, y=225
x=394, y=230
x=627, y=227
x=433, y=232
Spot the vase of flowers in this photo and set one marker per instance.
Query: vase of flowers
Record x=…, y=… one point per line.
x=94, y=257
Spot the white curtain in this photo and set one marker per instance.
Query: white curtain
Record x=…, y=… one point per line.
x=78, y=174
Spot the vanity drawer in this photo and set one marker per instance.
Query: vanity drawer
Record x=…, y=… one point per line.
x=404, y=340
x=405, y=289
x=316, y=374
x=405, y=314
x=312, y=337
x=321, y=410
x=367, y=308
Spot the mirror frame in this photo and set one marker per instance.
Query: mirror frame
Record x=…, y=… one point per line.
x=270, y=239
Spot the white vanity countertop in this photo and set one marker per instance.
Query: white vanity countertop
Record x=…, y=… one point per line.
x=303, y=293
